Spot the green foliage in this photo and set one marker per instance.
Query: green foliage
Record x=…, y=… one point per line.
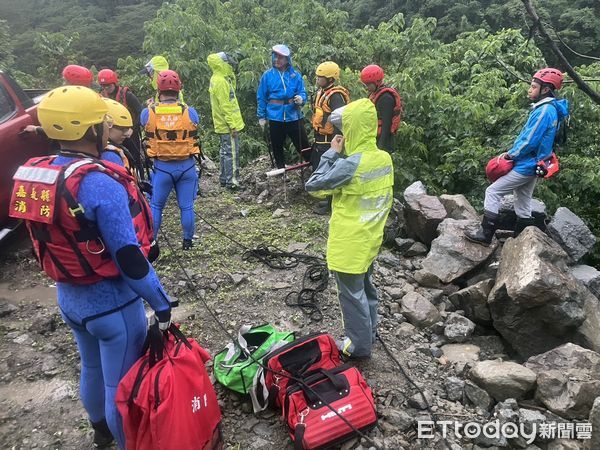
x=462, y=106
x=95, y=33
x=575, y=21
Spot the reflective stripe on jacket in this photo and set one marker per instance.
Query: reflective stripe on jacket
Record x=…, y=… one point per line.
x=362, y=187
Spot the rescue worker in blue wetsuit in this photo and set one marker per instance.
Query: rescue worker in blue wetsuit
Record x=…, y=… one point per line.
x=171, y=130
x=280, y=97
x=90, y=231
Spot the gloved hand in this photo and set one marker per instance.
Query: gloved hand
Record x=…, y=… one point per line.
x=298, y=100
x=540, y=170
x=164, y=319
x=262, y=123
x=154, y=252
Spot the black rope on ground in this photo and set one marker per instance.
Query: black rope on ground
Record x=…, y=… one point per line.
x=194, y=290
x=306, y=298
x=411, y=381
x=316, y=273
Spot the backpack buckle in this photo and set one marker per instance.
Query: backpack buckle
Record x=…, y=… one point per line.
x=78, y=210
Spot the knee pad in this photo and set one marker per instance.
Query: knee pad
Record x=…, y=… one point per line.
x=132, y=262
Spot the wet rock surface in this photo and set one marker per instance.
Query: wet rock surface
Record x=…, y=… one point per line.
x=444, y=330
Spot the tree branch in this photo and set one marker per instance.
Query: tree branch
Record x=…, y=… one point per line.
x=581, y=84
x=507, y=69
x=581, y=55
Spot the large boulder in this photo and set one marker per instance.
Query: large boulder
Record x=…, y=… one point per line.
x=473, y=301
x=571, y=233
x=451, y=254
x=423, y=213
x=536, y=304
x=503, y=380
x=458, y=207
x=568, y=380
x=589, y=276
x=588, y=333
x=419, y=311
x=508, y=218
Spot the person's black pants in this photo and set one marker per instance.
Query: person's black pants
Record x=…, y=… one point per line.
x=296, y=132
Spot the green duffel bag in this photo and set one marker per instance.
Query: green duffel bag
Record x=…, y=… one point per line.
x=232, y=366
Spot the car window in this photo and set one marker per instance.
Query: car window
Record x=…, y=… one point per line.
x=7, y=106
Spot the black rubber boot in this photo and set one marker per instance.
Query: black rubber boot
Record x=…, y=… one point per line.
x=102, y=435
x=522, y=224
x=187, y=244
x=485, y=233
x=324, y=207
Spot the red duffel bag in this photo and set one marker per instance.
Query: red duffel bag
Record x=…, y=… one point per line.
x=315, y=425
x=166, y=400
x=497, y=167
x=299, y=357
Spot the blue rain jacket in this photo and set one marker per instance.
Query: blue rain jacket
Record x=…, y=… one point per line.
x=280, y=87
x=536, y=140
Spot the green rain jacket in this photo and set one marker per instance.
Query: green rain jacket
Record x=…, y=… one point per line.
x=223, y=101
x=361, y=182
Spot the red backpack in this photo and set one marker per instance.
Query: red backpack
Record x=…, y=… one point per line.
x=167, y=400
x=298, y=358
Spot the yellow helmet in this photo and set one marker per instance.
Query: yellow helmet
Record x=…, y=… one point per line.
x=67, y=112
x=119, y=115
x=328, y=69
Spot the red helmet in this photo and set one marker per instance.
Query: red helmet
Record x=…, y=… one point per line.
x=550, y=76
x=107, y=76
x=78, y=75
x=372, y=74
x=168, y=80
x=497, y=167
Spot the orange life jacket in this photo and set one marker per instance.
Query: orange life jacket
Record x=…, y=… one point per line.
x=67, y=245
x=397, y=115
x=170, y=131
x=322, y=110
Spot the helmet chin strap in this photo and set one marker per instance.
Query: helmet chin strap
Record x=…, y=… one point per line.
x=98, y=128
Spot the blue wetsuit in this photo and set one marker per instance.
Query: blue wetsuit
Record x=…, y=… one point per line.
x=108, y=318
x=180, y=175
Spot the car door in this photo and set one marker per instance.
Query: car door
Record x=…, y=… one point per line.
x=15, y=147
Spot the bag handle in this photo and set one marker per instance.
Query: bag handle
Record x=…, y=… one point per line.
x=240, y=343
x=336, y=380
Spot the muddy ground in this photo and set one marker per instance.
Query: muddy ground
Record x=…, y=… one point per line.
x=39, y=365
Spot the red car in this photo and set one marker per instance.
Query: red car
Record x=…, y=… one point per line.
x=17, y=110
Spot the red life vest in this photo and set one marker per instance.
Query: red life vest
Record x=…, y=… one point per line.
x=67, y=245
x=397, y=115
x=121, y=96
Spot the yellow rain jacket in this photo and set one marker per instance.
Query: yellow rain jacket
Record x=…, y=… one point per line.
x=361, y=182
x=223, y=101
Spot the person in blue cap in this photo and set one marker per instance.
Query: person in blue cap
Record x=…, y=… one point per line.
x=280, y=97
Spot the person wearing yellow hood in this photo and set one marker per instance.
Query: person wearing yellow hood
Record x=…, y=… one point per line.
x=227, y=118
x=360, y=177
x=152, y=68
